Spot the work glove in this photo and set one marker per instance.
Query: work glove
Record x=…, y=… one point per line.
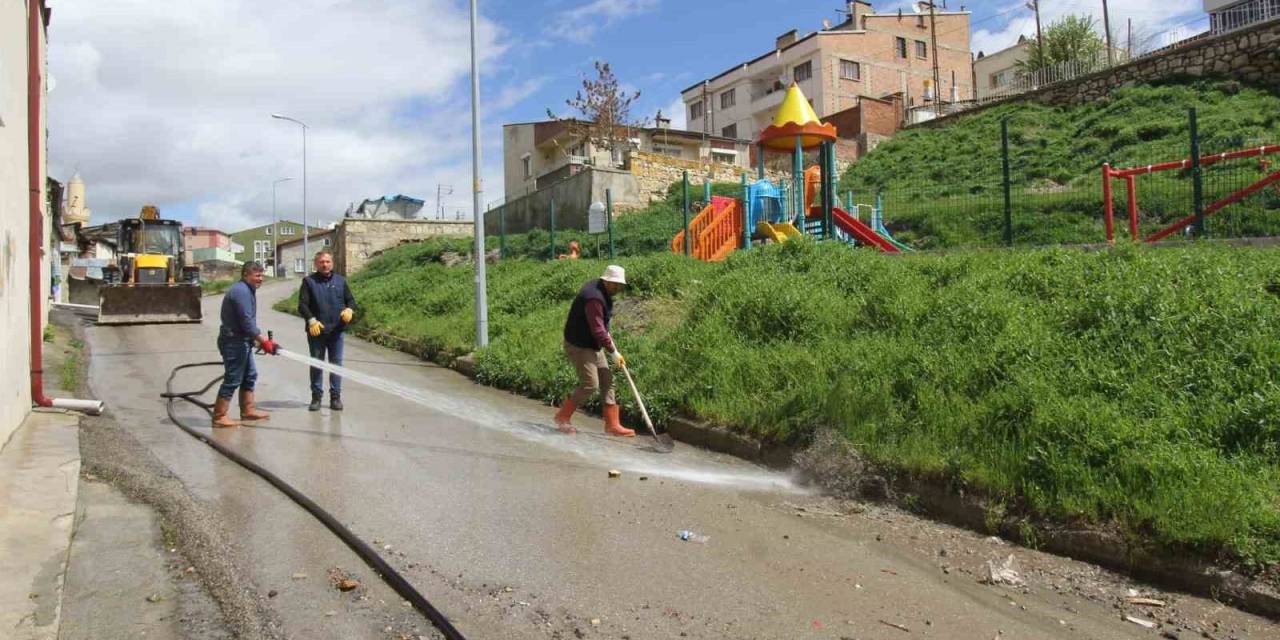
x=346, y=315
x=618, y=359
x=270, y=347
x=314, y=327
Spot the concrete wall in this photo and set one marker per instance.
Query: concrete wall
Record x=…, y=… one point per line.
x=1251, y=55
x=355, y=241
x=655, y=173
x=572, y=196
x=15, y=309
x=290, y=253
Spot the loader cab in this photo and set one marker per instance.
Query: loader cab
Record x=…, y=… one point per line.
x=151, y=252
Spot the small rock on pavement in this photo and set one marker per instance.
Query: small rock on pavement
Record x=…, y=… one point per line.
x=347, y=584
x=614, y=473
x=155, y=597
x=299, y=576
x=272, y=593
x=595, y=622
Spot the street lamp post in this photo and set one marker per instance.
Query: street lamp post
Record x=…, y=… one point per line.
x=482, y=304
x=306, y=230
x=275, y=231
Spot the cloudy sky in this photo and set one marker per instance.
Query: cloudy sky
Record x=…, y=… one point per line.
x=170, y=103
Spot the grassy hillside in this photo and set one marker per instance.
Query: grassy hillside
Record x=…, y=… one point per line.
x=943, y=184
x=1132, y=388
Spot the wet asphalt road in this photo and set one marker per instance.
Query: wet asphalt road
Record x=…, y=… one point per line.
x=515, y=531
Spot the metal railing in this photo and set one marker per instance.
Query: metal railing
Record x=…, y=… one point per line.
x=1243, y=15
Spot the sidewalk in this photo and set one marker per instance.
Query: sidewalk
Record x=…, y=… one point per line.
x=39, y=481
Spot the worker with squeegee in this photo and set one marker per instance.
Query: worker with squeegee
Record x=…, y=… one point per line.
x=236, y=337
x=586, y=339
x=325, y=301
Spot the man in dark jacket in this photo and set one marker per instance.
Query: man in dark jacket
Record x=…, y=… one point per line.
x=586, y=339
x=236, y=337
x=325, y=301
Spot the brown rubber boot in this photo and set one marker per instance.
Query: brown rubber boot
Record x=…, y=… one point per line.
x=564, y=415
x=220, y=419
x=613, y=422
x=247, y=410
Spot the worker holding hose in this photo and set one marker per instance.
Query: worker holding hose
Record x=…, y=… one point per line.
x=586, y=340
x=325, y=301
x=236, y=338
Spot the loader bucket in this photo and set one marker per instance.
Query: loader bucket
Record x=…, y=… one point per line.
x=149, y=304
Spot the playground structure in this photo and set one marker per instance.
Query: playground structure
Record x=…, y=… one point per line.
x=809, y=207
x=1194, y=164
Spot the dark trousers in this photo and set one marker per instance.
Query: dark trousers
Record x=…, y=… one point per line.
x=328, y=347
x=237, y=361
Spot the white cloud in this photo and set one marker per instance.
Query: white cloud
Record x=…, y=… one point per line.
x=580, y=24
x=172, y=107
x=677, y=113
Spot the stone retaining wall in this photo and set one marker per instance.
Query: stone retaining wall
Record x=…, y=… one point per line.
x=356, y=240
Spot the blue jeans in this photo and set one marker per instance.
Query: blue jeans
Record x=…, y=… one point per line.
x=237, y=359
x=326, y=344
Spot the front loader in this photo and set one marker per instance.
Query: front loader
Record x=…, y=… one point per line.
x=149, y=283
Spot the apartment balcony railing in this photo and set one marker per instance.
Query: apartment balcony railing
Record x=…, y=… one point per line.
x=1243, y=15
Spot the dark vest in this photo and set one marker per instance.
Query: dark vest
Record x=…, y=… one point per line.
x=576, y=330
x=327, y=300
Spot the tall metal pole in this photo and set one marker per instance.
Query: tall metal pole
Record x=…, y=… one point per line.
x=937, y=78
x=1106, y=24
x=1197, y=175
x=1008, y=199
x=1035, y=4
x=482, y=302
x=275, y=231
x=306, y=231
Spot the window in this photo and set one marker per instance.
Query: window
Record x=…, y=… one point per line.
x=901, y=45
x=298, y=267
x=850, y=70
x=922, y=49
x=728, y=99
x=268, y=230
x=528, y=166
x=695, y=111
x=999, y=79
x=326, y=242
x=730, y=131
x=287, y=231
x=803, y=72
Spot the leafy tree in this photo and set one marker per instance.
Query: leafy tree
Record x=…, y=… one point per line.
x=1071, y=38
x=602, y=111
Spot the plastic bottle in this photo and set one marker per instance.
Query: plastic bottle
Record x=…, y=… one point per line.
x=689, y=536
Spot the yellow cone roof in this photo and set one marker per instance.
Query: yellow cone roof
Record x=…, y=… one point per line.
x=796, y=120
x=795, y=109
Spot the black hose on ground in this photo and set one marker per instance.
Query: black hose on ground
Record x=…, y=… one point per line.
x=366, y=553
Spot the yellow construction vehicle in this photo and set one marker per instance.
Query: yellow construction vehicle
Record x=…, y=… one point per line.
x=148, y=282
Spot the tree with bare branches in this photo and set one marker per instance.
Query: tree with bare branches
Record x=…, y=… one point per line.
x=602, y=112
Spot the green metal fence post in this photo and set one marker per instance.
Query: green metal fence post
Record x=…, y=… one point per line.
x=553, y=229
x=1008, y=197
x=685, y=192
x=608, y=212
x=706, y=191
x=746, y=208
x=1197, y=176
x=502, y=233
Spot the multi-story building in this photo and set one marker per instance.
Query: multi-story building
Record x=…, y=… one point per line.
x=538, y=154
x=1229, y=15
x=256, y=243
x=996, y=73
x=295, y=263
x=870, y=54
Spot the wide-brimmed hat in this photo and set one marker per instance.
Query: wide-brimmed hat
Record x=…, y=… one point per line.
x=614, y=273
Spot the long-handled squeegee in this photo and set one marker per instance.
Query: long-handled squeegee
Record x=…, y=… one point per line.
x=662, y=442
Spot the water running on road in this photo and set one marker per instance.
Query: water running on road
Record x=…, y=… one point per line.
x=630, y=459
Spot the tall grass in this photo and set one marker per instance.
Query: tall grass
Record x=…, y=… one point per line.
x=1133, y=387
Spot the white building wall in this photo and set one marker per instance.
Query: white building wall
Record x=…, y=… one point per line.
x=15, y=385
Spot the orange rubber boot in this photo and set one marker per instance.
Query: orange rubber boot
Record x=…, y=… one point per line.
x=220, y=418
x=564, y=415
x=248, y=408
x=613, y=422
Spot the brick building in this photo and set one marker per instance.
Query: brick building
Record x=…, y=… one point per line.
x=869, y=55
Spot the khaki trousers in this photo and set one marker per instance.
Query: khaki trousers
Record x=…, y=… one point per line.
x=593, y=374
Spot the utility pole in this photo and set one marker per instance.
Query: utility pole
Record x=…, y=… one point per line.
x=1035, y=6
x=477, y=188
x=1106, y=24
x=1129, y=40
x=933, y=34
